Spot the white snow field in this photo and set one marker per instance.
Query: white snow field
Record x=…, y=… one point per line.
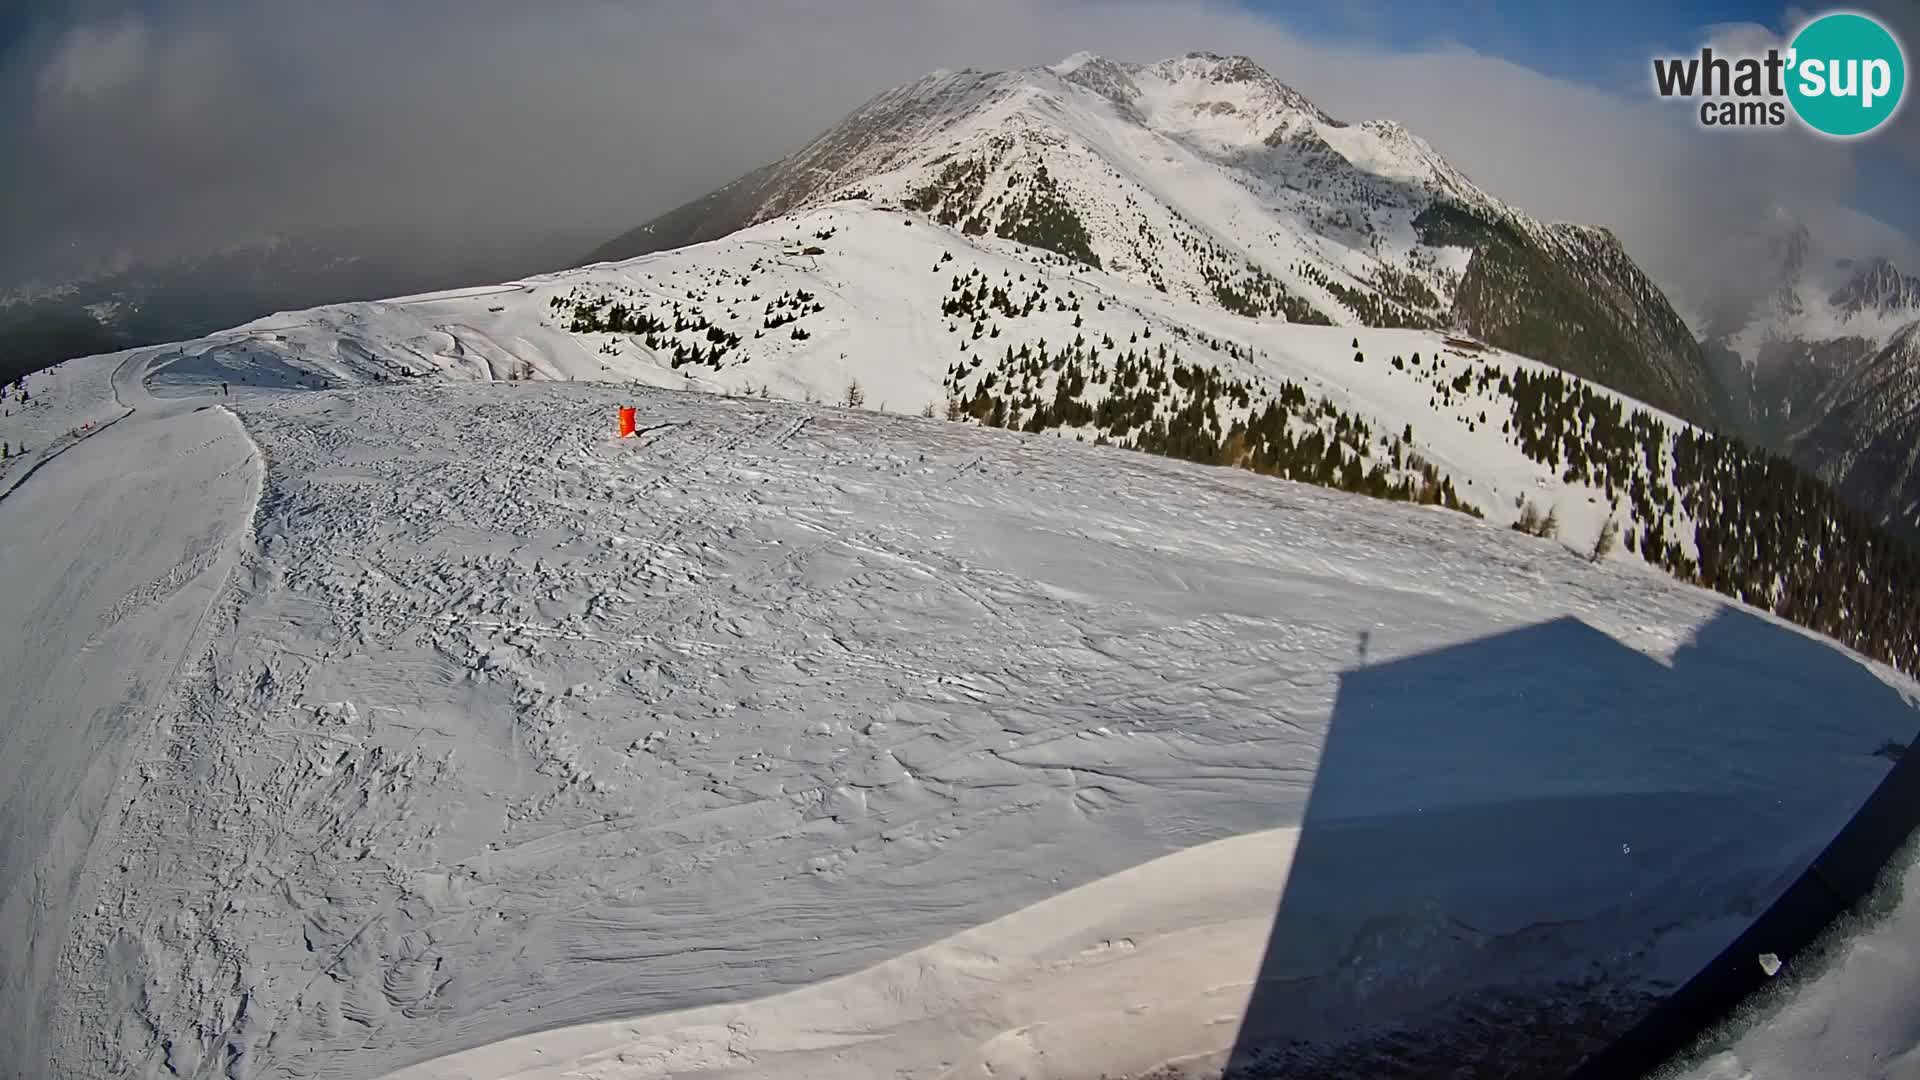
x=463, y=721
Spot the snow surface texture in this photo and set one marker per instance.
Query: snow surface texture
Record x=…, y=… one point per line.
x=503, y=725
x=1148, y=964
x=109, y=559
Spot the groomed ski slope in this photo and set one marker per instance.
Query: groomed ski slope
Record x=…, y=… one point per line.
x=65, y=404
x=113, y=545
x=501, y=725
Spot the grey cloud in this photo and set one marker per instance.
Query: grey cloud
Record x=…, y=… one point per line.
x=1903, y=18
x=180, y=124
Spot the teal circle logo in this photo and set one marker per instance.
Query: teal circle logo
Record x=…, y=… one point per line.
x=1846, y=74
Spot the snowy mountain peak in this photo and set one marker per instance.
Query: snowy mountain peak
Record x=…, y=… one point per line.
x=1229, y=97
x=1880, y=288
x=1208, y=180
x=1819, y=363
x=1215, y=85
x=1227, y=71
x=1077, y=61
x=1110, y=80
x=1815, y=295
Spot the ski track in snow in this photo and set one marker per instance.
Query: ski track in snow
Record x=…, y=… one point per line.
x=505, y=725
x=109, y=560
x=68, y=403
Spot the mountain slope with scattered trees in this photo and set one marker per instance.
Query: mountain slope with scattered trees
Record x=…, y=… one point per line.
x=885, y=308
x=1209, y=180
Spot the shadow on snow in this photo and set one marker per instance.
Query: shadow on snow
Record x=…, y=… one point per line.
x=1517, y=847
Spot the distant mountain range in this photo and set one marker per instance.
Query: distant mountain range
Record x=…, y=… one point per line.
x=1824, y=368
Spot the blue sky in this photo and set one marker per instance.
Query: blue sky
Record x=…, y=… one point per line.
x=1603, y=45
x=1607, y=46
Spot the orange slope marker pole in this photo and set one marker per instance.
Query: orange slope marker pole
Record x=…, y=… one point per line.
x=626, y=421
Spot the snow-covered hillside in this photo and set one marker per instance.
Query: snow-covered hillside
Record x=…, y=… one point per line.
x=114, y=541
x=44, y=415
x=924, y=319
x=425, y=714
x=1206, y=178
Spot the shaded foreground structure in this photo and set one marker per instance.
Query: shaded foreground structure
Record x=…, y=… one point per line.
x=1515, y=861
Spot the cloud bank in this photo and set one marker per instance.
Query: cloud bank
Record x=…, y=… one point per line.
x=177, y=125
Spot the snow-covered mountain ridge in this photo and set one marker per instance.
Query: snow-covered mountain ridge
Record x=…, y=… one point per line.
x=857, y=304
x=913, y=317
x=1208, y=179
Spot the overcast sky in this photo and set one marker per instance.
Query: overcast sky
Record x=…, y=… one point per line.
x=180, y=124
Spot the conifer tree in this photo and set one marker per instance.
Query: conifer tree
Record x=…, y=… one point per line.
x=1603, y=544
